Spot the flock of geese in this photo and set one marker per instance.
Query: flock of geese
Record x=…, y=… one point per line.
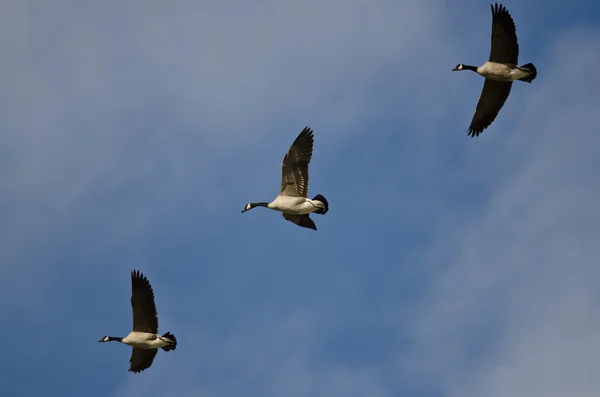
x=292, y=201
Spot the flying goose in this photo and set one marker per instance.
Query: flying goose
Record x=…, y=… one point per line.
x=144, y=338
x=292, y=200
x=499, y=72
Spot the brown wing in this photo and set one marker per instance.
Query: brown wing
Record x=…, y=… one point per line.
x=492, y=99
x=142, y=304
x=294, y=169
x=141, y=359
x=505, y=46
x=301, y=220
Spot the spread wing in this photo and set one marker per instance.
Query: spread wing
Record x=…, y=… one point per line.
x=141, y=359
x=301, y=220
x=294, y=169
x=505, y=46
x=142, y=304
x=492, y=99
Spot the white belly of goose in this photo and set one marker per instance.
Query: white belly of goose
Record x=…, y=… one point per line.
x=500, y=72
x=144, y=340
x=495, y=71
x=293, y=205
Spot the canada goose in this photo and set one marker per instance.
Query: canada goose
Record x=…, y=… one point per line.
x=292, y=200
x=499, y=72
x=144, y=338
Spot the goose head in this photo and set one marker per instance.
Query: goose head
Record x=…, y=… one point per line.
x=249, y=206
x=110, y=339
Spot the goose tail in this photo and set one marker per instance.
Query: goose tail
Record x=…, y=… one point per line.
x=530, y=68
x=321, y=211
x=173, y=340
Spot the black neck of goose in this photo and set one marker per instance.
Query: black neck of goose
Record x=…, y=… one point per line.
x=115, y=338
x=469, y=67
x=252, y=205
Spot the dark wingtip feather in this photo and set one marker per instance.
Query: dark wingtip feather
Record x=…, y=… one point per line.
x=306, y=133
x=137, y=277
x=307, y=130
x=473, y=133
x=305, y=137
x=139, y=281
x=498, y=9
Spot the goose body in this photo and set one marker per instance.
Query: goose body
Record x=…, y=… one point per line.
x=292, y=200
x=144, y=338
x=499, y=71
x=295, y=205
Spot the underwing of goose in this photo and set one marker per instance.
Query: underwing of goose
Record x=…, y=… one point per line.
x=499, y=72
x=292, y=200
x=144, y=338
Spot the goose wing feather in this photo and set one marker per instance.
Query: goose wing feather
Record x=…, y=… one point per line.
x=301, y=220
x=143, y=308
x=141, y=359
x=294, y=168
x=492, y=99
x=505, y=46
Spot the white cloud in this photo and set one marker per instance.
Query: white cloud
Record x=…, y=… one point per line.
x=154, y=98
x=99, y=101
x=513, y=311
x=275, y=354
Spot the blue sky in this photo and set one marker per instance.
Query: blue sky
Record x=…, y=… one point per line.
x=134, y=132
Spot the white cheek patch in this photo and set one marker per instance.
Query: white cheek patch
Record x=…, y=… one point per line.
x=248, y=206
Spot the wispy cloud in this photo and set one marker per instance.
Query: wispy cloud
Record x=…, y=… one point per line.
x=115, y=123
x=138, y=131
x=512, y=311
